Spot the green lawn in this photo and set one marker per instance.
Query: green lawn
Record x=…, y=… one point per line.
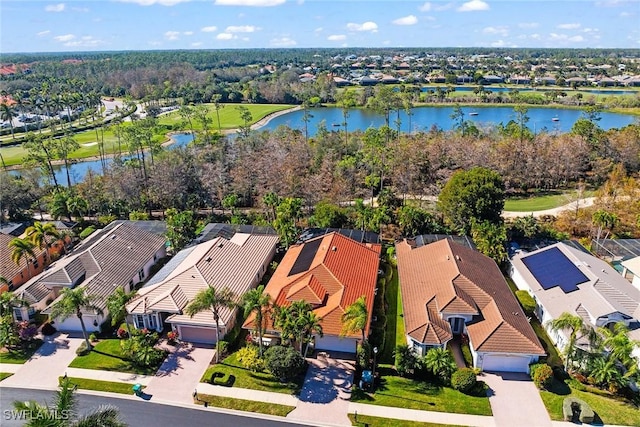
x=4, y=375
x=107, y=356
x=110, y=386
x=394, y=330
x=229, y=115
x=366, y=420
x=540, y=203
x=21, y=355
x=412, y=394
x=244, y=378
x=610, y=411
x=245, y=405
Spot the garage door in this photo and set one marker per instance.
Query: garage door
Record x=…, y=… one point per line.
x=197, y=335
x=505, y=363
x=333, y=343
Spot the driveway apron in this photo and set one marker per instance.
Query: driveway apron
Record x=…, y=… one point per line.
x=179, y=375
x=326, y=392
x=515, y=400
x=48, y=363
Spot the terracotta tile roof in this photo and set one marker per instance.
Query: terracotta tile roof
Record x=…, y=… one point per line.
x=447, y=277
x=331, y=272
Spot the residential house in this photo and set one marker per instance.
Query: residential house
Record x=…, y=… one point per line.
x=631, y=270
x=120, y=255
x=18, y=274
x=561, y=278
x=450, y=290
x=330, y=272
x=230, y=259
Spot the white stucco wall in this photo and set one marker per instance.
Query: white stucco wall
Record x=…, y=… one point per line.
x=72, y=324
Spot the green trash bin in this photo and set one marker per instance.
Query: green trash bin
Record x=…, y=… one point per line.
x=137, y=389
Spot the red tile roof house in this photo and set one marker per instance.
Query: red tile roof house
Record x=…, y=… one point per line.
x=238, y=263
x=120, y=255
x=330, y=272
x=447, y=290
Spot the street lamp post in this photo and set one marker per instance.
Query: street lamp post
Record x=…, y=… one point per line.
x=375, y=353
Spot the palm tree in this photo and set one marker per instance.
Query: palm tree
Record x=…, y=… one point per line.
x=214, y=300
x=309, y=325
x=440, y=362
x=621, y=347
x=64, y=404
x=355, y=318
x=116, y=304
x=256, y=300
x=9, y=300
x=39, y=232
x=7, y=113
x=74, y=301
x=22, y=248
x=297, y=322
x=575, y=325
x=605, y=372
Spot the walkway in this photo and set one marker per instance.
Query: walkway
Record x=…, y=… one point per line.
x=47, y=364
x=456, y=350
x=515, y=400
x=120, y=377
x=326, y=391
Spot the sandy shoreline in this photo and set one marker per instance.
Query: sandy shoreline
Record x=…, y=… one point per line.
x=170, y=139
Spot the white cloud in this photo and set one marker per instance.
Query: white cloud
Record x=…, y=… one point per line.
x=85, y=42
x=282, y=42
x=576, y=39
x=152, y=2
x=43, y=33
x=241, y=29
x=188, y=33
x=442, y=7
x=254, y=3
x=196, y=44
x=473, y=6
x=55, y=7
x=406, y=20
x=65, y=38
x=425, y=7
x=225, y=36
x=210, y=29
x=564, y=37
x=528, y=25
x=336, y=37
x=501, y=30
x=624, y=14
x=365, y=26
x=172, y=35
x=318, y=30
x=573, y=26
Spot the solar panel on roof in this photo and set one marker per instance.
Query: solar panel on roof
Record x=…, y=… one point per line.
x=305, y=257
x=552, y=268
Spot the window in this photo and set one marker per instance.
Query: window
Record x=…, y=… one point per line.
x=17, y=313
x=35, y=263
x=153, y=324
x=141, y=274
x=139, y=319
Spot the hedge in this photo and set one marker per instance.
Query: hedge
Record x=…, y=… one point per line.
x=527, y=302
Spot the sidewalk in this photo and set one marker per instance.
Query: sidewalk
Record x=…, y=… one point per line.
x=10, y=368
x=120, y=377
x=247, y=394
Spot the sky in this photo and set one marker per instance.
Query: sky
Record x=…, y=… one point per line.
x=108, y=25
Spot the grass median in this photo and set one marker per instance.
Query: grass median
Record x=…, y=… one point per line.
x=244, y=405
x=366, y=420
x=108, y=386
x=4, y=375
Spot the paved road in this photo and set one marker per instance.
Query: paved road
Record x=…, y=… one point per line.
x=136, y=412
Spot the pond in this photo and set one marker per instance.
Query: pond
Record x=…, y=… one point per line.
x=528, y=89
x=424, y=118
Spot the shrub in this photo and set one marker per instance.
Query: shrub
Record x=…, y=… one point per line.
x=249, y=357
x=223, y=348
x=83, y=350
x=285, y=363
x=172, y=336
x=406, y=360
x=48, y=329
x=26, y=330
x=463, y=380
x=575, y=384
x=542, y=375
x=466, y=354
x=93, y=337
x=527, y=301
x=122, y=333
x=87, y=232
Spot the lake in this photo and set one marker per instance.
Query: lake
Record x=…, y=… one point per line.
x=424, y=118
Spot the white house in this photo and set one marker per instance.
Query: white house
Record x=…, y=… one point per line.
x=120, y=255
x=631, y=269
x=561, y=278
x=448, y=290
x=237, y=262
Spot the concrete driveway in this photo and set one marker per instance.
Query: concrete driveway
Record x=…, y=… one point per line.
x=515, y=400
x=179, y=375
x=48, y=363
x=326, y=392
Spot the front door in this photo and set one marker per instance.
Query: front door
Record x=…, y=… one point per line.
x=456, y=325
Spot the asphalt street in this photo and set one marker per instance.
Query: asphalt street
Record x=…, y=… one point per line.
x=136, y=413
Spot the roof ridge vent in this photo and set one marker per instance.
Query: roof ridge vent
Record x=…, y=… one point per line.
x=457, y=257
